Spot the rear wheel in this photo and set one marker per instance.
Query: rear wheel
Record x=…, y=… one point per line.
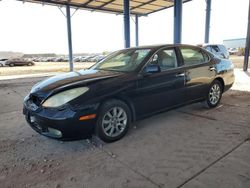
x=29, y=64
x=1, y=65
x=11, y=64
x=113, y=121
x=214, y=94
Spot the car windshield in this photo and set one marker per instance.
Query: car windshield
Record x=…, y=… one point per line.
x=124, y=61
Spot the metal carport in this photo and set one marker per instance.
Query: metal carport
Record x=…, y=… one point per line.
x=136, y=8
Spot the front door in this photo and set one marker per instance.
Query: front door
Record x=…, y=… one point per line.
x=161, y=90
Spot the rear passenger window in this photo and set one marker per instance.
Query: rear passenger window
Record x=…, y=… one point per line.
x=192, y=56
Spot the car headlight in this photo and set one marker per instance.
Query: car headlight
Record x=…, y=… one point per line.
x=64, y=97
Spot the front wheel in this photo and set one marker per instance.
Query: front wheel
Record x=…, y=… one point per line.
x=113, y=121
x=214, y=94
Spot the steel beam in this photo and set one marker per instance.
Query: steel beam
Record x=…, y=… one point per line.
x=126, y=24
x=136, y=30
x=207, y=25
x=246, y=58
x=68, y=15
x=177, y=21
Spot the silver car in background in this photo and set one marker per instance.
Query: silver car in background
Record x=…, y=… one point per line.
x=217, y=49
x=2, y=62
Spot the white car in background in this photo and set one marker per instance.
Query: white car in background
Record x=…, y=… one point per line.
x=2, y=62
x=233, y=51
x=217, y=49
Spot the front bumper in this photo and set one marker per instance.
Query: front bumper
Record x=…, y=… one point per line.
x=63, y=124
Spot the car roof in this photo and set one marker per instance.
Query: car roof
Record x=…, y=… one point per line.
x=208, y=44
x=164, y=45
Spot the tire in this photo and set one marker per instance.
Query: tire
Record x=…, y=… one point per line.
x=30, y=64
x=115, y=117
x=214, y=94
x=11, y=64
x=1, y=65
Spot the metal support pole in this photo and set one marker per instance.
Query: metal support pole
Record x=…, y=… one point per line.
x=68, y=15
x=246, y=58
x=136, y=30
x=208, y=15
x=177, y=21
x=126, y=23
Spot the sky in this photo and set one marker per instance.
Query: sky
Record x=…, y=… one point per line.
x=34, y=28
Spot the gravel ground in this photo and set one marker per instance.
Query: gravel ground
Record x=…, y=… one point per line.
x=186, y=147
x=41, y=67
x=237, y=60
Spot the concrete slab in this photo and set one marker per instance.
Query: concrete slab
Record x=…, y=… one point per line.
x=86, y=168
x=170, y=147
x=242, y=80
x=232, y=171
x=232, y=110
x=32, y=160
x=185, y=147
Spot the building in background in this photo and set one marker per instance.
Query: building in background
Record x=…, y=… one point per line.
x=8, y=55
x=235, y=43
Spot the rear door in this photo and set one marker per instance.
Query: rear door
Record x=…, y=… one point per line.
x=199, y=72
x=165, y=89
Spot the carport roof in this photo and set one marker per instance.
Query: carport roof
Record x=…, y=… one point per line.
x=139, y=7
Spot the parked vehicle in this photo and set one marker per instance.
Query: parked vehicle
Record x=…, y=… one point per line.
x=91, y=59
x=217, y=49
x=2, y=62
x=127, y=85
x=233, y=51
x=77, y=59
x=19, y=62
x=86, y=59
x=99, y=58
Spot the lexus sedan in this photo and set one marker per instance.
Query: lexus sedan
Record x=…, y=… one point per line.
x=125, y=86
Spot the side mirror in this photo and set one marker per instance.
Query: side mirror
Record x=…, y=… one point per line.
x=154, y=68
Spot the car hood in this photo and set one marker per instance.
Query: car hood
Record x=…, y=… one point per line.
x=71, y=79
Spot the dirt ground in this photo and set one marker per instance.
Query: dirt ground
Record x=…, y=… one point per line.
x=238, y=61
x=187, y=147
x=41, y=67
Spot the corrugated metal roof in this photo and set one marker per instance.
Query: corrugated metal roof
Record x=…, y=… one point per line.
x=139, y=7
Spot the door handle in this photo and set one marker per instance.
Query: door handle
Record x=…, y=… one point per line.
x=211, y=68
x=180, y=75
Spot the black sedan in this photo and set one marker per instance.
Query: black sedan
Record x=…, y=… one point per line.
x=127, y=85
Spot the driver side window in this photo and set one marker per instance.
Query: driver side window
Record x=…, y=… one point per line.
x=166, y=59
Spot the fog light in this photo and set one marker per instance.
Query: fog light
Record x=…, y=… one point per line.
x=55, y=133
x=32, y=119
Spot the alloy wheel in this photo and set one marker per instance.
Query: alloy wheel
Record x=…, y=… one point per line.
x=214, y=94
x=114, y=122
